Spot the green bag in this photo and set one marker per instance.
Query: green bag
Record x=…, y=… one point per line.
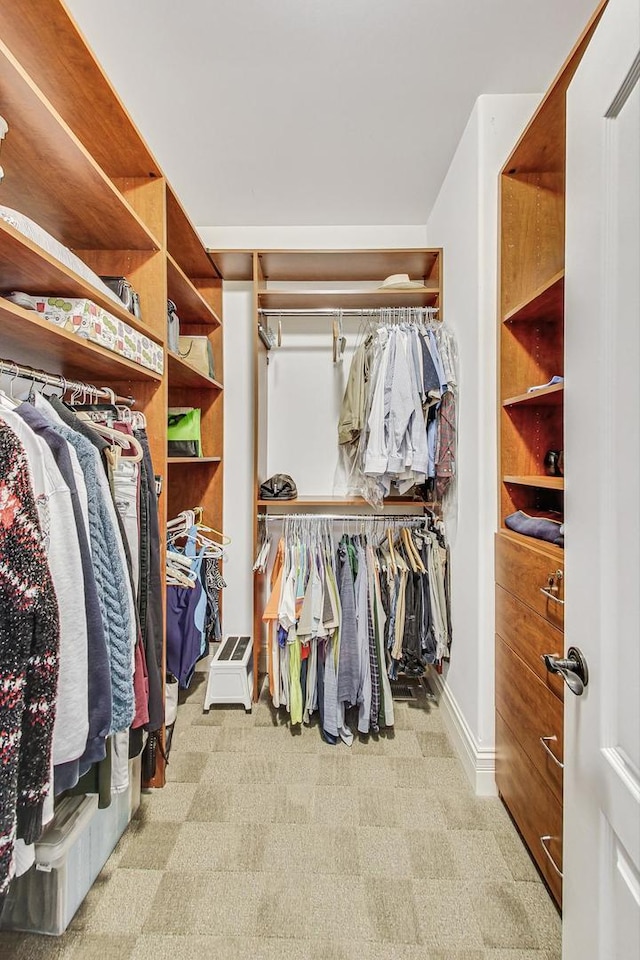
x=183, y=432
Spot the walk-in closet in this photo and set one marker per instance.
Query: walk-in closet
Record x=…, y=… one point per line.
x=319, y=480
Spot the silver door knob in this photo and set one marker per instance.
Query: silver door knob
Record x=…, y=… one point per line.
x=573, y=669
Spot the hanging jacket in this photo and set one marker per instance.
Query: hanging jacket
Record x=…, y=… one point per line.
x=351, y=419
x=29, y=640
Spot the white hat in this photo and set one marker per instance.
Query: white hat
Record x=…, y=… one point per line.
x=401, y=281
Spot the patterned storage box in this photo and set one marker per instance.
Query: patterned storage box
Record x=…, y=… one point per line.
x=92, y=322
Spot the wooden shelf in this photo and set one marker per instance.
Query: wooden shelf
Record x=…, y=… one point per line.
x=533, y=542
x=311, y=501
x=345, y=265
x=547, y=397
x=192, y=307
x=26, y=337
x=546, y=303
x=73, y=81
x=29, y=269
x=546, y=483
x=233, y=264
x=184, y=243
x=365, y=300
x=40, y=155
x=193, y=461
x=182, y=374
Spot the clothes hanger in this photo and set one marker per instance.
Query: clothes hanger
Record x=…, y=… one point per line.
x=124, y=441
x=139, y=420
x=7, y=399
x=392, y=554
x=199, y=513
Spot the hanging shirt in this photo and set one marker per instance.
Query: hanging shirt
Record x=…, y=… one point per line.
x=57, y=521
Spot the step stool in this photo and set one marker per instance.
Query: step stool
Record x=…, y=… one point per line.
x=231, y=673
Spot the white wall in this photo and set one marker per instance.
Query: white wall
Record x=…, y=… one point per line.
x=464, y=222
x=305, y=393
x=237, y=307
x=313, y=238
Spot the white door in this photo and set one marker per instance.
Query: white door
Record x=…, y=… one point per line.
x=602, y=422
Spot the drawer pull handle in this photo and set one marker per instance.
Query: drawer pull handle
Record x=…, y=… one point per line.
x=551, y=596
x=552, y=588
x=544, y=841
x=543, y=741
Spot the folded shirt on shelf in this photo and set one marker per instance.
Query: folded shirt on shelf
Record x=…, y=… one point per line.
x=540, y=525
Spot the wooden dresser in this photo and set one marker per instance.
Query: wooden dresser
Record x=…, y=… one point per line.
x=529, y=571
x=529, y=699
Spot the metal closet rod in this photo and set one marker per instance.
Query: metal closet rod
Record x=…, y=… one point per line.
x=338, y=311
x=339, y=517
x=58, y=380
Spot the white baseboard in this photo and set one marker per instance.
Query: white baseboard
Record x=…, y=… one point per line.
x=479, y=762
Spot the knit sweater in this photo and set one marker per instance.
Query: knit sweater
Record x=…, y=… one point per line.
x=109, y=571
x=29, y=641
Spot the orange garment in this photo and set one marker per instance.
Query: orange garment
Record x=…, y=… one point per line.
x=271, y=609
x=273, y=603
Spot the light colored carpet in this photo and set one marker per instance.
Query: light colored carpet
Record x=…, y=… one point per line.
x=266, y=844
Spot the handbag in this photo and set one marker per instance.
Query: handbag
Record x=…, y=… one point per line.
x=173, y=327
x=123, y=289
x=184, y=432
x=198, y=353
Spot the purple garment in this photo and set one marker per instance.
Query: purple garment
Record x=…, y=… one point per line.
x=184, y=638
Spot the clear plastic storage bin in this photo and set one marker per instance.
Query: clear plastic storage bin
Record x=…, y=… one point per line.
x=69, y=856
x=45, y=898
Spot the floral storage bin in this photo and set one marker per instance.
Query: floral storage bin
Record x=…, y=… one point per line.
x=86, y=319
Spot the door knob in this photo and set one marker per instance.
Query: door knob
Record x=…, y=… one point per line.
x=573, y=669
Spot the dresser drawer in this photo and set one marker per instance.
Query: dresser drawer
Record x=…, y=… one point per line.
x=530, y=635
x=532, y=805
x=524, y=571
x=532, y=712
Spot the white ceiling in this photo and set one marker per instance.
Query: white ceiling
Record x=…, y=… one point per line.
x=280, y=112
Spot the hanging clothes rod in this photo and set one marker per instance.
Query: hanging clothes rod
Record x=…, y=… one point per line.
x=411, y=519
x=57, y=380
x=340, y=311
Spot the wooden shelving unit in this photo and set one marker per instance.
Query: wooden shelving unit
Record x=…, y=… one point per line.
x=26, y=337
x=233, y=264
x=182, y=374
x=547, y=397
x=92, y=215
x=542, y=483
x=26, y=267
x=555, y=552
x=194, y=307
x=75, y=164
x=196, y=289
x=545, y=303
x=345, y=266
x=529, y=571
x=321, y=501
x=359, y=300
x=329, y=280
x=193, y=461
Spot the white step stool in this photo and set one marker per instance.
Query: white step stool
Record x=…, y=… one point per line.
x=231, y=673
